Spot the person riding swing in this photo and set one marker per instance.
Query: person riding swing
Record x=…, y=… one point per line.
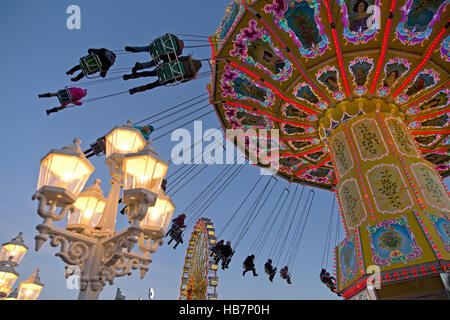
x=98, y=60
x=226, y=252
x=215, y=251
x=184, y=69
x=249, y=265
x=176, y=230
x=284, y=273
x=270, y=270
x=67, y=97
x=166, y=48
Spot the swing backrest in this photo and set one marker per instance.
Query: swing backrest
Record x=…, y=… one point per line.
x=172, y=70
x=163, y=46
x=64, y=96
x=90, y=65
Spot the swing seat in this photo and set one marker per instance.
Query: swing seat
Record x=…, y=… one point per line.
x=267, y=271
x=330, y=286
x=173, y=70
x=90, y=65
x=64, y=96
x=163, y=46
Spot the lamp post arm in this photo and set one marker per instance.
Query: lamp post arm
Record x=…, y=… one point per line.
x=74, y=247
x=149, y=245
x=123, y=265
x=50, y=214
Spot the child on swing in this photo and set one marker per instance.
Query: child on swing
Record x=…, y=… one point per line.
x=76, y=95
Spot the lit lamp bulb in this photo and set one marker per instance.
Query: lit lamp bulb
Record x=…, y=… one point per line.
x=88, y=209
x=15, y=248
x=31, y=288
x=7, y=277
x=158, y=217
x=123, y=140
x=64, y=173
x=144, y=169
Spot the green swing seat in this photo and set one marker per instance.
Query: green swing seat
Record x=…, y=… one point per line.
x=90, y=64
x=162, y=46
x=172, y=70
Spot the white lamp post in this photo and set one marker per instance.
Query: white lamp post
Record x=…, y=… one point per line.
x=90, y=244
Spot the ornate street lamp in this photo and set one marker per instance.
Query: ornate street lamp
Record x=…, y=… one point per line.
x=90, y=245
x=63, y=174
x=144, y=169
x=158, y=217
x=15, y=248
x=123, y=140
x=88, y=209
x=7, y=277
x=30, y=288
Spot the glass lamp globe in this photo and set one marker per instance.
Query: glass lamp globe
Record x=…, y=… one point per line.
x=7, y=277
x=15, y=248
x=144, y=169
x=64, y=173
x=30, y=288
x=88, y=209
x=123, y=140
x=158, y=217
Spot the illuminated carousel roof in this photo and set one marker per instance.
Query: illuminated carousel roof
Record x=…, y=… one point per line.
x=281, y=64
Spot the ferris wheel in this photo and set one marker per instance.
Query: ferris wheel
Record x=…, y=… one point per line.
x=199, y=280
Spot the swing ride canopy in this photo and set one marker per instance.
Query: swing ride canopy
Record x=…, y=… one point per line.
x=285, y=64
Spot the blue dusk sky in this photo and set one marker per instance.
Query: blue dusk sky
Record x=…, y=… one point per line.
x=38, y=49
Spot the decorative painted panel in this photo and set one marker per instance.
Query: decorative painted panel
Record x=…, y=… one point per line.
x=431, y=186
x=354, y=210
x=238, y=85
x=300, y=19
x=401, y=138
x=241, y=118
x=425, y=79
x=389, y=189
x=418, y=18
x=393, y=70
x=329, y=77
x=360, y=69
x=392, y=241
x=348, y=261
x=255, y=47
x=356, y=20
x=369, y=140
x=341, y=153
x=303, y=91
x=441, y=224
x=445, y=49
